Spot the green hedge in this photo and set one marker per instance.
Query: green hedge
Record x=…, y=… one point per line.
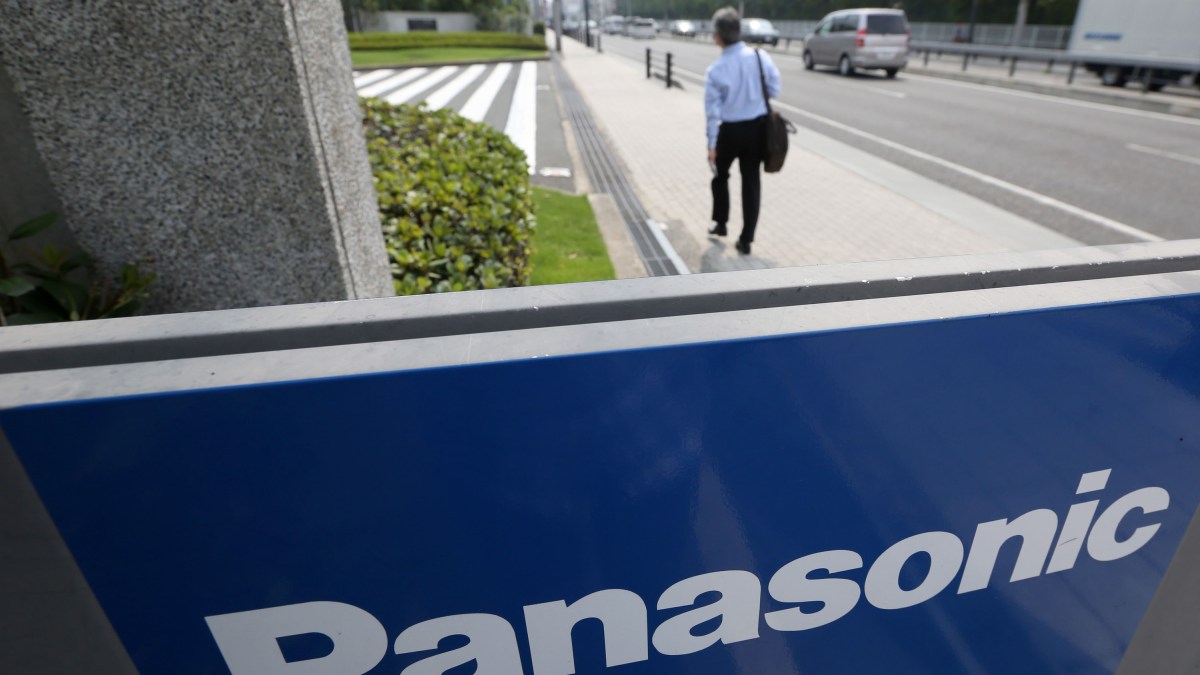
x=454, y=199
x=409, y=40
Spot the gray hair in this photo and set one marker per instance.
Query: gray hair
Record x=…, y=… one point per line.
x=728, y=25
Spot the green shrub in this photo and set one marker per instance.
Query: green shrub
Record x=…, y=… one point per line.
x=58, y=285
x=454, y=199
x=362, y=41
x=539, y=28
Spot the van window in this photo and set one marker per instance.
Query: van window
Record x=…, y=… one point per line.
x=848, y=22
x=886, y=24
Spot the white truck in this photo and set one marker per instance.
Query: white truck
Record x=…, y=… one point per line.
x=1155, y=42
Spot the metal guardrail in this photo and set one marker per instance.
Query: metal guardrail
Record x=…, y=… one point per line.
x=665, y=68
x=1056, y=55
x=1144, y=68
x=1033, y=35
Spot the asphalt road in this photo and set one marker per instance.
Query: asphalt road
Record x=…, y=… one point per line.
x=1098, y=173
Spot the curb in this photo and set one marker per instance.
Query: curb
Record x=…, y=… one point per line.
x=1063, y=92
x=618, y=242
x=583, y=182
x=622, y=252
x=439, y=64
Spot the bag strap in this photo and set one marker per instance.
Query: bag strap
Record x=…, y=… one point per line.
x=762, y=79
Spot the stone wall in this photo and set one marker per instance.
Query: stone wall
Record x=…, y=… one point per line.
x=221, y=140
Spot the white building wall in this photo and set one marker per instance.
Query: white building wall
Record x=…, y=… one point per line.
x=397, y=22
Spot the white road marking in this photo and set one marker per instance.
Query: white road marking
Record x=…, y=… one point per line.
x=522, y=115
x=873, y=90
x=363, y=79
x=395, y=81
x=479, y=103
x=1162, y=117
x=883, y=92
x=1127, y=230
x=403, y=95
x=658, y=230
x=1164, y=153
x=442, y=96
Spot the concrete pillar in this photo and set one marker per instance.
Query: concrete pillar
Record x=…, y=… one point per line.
x=222, y=140
x=51, y=620
x=25, y=187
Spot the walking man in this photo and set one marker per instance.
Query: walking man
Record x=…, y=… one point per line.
x=737, y=121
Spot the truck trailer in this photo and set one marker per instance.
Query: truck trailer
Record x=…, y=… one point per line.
x=1154, y=42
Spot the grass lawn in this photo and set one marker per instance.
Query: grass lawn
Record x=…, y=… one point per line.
x=567, y=246
x=398, y=57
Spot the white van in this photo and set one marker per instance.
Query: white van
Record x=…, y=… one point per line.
x=642, y=28
x=860, y=38
x=613, y=25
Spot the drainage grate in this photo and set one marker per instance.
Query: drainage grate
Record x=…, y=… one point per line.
x=606, y=176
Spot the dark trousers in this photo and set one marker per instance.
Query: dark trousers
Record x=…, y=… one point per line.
x=745, y=142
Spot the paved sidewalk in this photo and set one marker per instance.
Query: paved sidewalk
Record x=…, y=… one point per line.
x=830, y=204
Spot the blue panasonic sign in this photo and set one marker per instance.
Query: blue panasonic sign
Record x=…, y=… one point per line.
x=990, y=493
x=249, y=640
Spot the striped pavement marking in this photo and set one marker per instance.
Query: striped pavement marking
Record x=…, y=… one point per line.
x=372, y=77
x=445, y=84
x=522, y=115
x=442, y=96
x=392, y=82
x=479, y=103
x=403, y=95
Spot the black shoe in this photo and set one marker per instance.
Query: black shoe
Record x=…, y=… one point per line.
x=718, y=230
x=743, y=247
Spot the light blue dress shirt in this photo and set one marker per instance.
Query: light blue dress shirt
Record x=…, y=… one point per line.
x=732, y=92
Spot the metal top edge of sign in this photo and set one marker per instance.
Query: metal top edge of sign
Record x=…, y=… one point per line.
x=239, y=331
x=290, y=365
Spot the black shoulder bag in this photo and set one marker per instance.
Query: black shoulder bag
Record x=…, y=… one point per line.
x=778, y=128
